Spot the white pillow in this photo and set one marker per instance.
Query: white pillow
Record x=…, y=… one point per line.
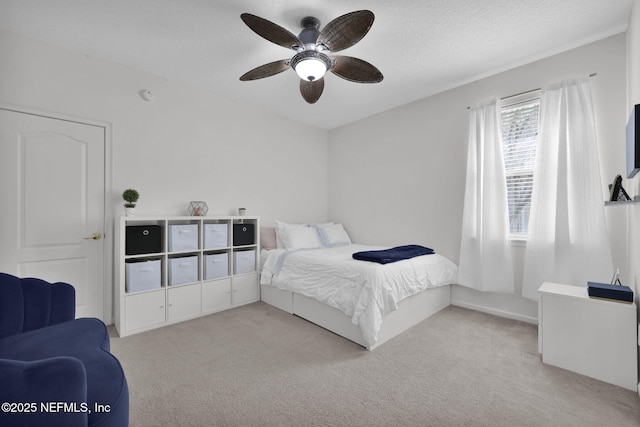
x=296, y=236
x=282, y=230
x=332, y=234
x=303, y=238
x=279, y=231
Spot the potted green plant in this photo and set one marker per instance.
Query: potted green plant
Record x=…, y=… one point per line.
x=130, y=197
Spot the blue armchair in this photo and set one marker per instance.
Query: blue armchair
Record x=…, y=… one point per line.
x=55, y=370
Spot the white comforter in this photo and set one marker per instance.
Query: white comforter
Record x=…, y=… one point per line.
x=365, y=291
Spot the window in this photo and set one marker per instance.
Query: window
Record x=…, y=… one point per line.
x=520, y=117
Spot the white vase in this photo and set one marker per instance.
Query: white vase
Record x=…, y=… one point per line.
x=129, y=211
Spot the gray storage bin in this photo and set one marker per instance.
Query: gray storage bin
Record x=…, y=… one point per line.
x=216, y=266
x=142, y=275
x=183, y=270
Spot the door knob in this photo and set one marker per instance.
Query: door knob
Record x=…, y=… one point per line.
x=94, y=236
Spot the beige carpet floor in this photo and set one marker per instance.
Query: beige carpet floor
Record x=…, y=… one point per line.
x=259, y=366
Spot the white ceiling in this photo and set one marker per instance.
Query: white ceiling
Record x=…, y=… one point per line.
x=421, y=46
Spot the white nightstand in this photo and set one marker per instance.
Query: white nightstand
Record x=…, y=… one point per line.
x=592, y=337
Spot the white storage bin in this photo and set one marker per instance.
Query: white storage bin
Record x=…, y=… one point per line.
x=244, y=261
x=183, y=270
x=142, y=275
x=183, y=237
x=216, y=266
x=215, y=236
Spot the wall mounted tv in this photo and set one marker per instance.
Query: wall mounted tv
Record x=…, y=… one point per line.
x=633, y=142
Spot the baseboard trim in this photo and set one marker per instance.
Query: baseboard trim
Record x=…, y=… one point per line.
x=495, y=312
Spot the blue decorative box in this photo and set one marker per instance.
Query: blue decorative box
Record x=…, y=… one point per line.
x=611, y=292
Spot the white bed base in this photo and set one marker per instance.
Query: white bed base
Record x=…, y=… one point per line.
x=410, y=312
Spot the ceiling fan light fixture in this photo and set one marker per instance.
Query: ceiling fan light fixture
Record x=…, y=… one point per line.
x=310, y=65
x=312, y=47
x=311, y=69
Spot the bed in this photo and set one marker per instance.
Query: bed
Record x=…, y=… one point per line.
x=308, y=270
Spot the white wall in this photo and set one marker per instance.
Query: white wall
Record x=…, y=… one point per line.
x=185, y=145
x=398, y=177
x=633, y=185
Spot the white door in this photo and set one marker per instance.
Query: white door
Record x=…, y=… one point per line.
x=52, y=204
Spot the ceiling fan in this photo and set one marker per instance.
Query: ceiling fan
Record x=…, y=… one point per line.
x=312, y=48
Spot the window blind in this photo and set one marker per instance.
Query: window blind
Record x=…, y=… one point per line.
x=519, y=140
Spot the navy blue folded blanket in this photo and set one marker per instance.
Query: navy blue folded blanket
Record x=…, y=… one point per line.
x=398, y=253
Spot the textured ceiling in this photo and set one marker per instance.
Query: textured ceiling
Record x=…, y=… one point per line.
x=421, y=46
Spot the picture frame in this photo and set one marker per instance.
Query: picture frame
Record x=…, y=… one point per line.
x=617, y=192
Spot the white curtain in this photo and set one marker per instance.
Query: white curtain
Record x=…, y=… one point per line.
x=568, y=240
x=485, y=253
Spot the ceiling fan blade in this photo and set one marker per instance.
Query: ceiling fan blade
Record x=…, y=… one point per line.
x=346, y=30
x=356, y=70
x=270, y=31
x=266, y=70
x=311, y=91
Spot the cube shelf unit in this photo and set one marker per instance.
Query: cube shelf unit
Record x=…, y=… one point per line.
x=220, y=275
